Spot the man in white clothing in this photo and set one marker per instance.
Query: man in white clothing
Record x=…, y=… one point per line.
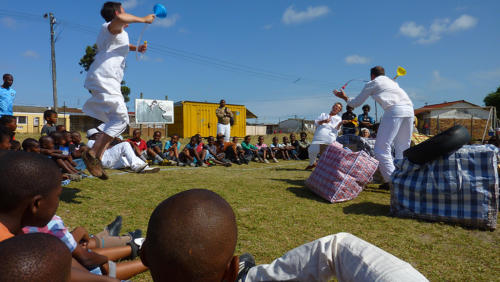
x=397, y=122
x=224, y=116
x=120, y=155
x=327, y=126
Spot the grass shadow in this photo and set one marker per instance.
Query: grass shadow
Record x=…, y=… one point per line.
x=69, y=195
x=289, y=169
x=368, y=208
x=307, y=194
x=296, y=182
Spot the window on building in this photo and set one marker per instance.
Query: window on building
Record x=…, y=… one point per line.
x=21, y=119
x=36, y=121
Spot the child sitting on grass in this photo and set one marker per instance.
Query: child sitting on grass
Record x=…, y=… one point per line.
x=15, y=145
x=264, y=150
x=60, y=128
x=50, y=117
x=154, y=150
x=251, y=151
x=47, y=147
x=240, y=153
x=172, y=150
x=289, y=149
x=202, y=249
x=303, y=152
x=10, y=123
x=216, y=158
x=191, y=155
x=5, y=136
x=77, y=146
x=31, y=145
x=279, y=149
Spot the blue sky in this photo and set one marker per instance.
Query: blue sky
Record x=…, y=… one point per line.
x=279, y=58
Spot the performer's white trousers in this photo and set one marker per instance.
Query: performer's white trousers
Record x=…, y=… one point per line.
x=225, y=129
x=121, y=156
x=110, y=109
x=342, y=255
x=392, y=130
x=313, y=151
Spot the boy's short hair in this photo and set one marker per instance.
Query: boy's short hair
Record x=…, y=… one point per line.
x=29, y=143
x=35, y=257
x=303, y=133
x=25, y=175
x=4, y=120
x=48, y=113
x=198, y=249
x=109, y=9
x=366, y=106
x=5, y=75
x=56, y=135
x=5, y=133
x=15, y=145
x=44, y=139
x=174, y=135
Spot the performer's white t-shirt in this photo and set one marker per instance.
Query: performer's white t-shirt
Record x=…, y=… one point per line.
x=326, y=133
x=106, y=72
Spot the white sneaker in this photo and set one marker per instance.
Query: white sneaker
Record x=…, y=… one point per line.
x=266, y=161
x=138, y=167
x=275, y=160
x=149, y=169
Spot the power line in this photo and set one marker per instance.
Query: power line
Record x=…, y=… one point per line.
x=188, y=56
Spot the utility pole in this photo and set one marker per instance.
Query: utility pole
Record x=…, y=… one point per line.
x=52, y=22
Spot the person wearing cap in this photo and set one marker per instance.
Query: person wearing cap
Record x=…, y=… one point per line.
x=396, y=125
x=119, y=155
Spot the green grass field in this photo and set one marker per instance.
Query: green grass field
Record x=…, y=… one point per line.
x=276, y=213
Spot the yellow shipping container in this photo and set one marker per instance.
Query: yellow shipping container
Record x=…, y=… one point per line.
x=33, y=122
x=192, y=118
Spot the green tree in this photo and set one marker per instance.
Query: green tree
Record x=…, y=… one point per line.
x=493, y=99
x=87, y=60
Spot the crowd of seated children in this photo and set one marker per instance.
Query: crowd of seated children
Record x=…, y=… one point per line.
x=265, y=152
x=240, y=153
x=29, y=196
x=9, y=123
x=279, y=149
x=194, y=153
x=64, y=161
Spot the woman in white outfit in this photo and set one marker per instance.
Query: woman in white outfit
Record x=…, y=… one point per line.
x=327, y=126
x=104, y=79
x=397, y=122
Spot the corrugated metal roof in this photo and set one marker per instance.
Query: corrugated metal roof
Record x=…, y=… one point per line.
x=428, y=108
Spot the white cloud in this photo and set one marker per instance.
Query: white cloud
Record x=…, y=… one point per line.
x=487, y=75
x=437, y=29
x=267, y=26
x=30, y=54
x=411, y=29
x=8, y=22
x=167, y=22
x=463, y=22
x=292, y=16
x=129, y=4
x=356, y=59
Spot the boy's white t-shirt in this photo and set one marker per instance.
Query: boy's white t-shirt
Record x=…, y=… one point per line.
x=106, y=72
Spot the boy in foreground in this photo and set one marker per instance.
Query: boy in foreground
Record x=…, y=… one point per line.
x=202, y=249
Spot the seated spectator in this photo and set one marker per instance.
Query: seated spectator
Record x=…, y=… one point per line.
x=31, y=145
x=203, y=249
x=10, y=123
x=349, y=121
x=264, y=150
x=50, y=117
x=15, y=145
x=77, y=147
x=191, y=155
x=139, y=145
x=287, y=148
x=90, y=251
x=60, y=128
x=365, y=120
x=154, y=147
x=240, y=153
x=303, y=147
x=278, y=149
x=35, y=258
x=120, y=155
x=292, y=150
x=213, y=156
x=251, y=152
x=47, y=147
x=5, y=136
x=29, y=195
x=172, y=150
